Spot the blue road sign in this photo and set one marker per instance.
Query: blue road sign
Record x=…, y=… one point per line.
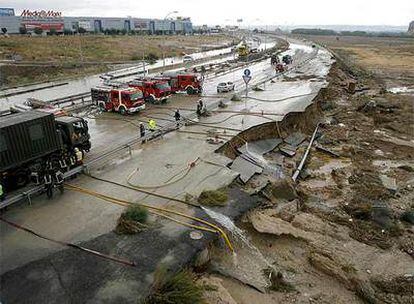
x=247, y=72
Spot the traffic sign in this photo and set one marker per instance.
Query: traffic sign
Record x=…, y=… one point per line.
x=246, y=79
x=247, y=72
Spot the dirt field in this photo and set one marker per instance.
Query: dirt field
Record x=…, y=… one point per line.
x=74, y=56
x=344, y=232
x=389, y=58
x=102, y=48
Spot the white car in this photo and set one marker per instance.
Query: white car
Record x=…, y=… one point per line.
x=223, y=87
x=187, y=58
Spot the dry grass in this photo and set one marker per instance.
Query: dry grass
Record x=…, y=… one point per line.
x=75, y=56
x=178, y=288
x=101, y=48
x=133, y=220
x=213, y=198
x=376, y=54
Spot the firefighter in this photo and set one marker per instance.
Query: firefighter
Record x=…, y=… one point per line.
x=59, y=179
x=79, y=156
x=152, y=125
x=200, y=106
x=177, y=117
x=2, y=195
x=141, y=129
x=49, y=183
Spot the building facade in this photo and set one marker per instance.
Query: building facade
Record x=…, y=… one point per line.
x=52, y=20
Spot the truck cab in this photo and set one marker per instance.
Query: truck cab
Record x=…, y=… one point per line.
x=183, y=82
x=74, y=132
x=153, y=90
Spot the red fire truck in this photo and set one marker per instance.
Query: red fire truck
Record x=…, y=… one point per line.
x=121, y=99
x=179, y=82
x=154, y=90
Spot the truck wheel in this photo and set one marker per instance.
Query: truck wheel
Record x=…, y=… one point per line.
x=151, y=99
x=21, y=179
x=123, y=111
x=190, y=91
x=102, y=107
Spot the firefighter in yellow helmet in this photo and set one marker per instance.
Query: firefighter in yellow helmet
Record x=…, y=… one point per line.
x=152, y=125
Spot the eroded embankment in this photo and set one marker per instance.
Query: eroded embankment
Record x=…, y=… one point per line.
x=344, y=233
x=303, y=122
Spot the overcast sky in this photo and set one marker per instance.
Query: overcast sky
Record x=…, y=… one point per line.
x=276, y=12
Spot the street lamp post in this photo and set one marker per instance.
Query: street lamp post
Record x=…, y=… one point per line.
x=170, y=13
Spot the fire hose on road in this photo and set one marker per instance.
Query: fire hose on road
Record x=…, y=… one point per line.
x=160, y=212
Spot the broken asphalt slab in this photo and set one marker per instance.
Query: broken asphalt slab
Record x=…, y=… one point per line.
x=246, y=168
x=260, y=147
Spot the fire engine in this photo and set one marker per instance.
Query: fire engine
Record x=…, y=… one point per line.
x=154, y=90
x=122, y=99
x=183, y=82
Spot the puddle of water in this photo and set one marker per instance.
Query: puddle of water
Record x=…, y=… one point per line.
x=325, y=179
x=333, y=164
x=401, y=90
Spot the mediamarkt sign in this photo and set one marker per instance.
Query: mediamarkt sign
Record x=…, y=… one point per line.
x=41, y=14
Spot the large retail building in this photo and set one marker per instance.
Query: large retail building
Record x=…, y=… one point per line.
x=48, y=20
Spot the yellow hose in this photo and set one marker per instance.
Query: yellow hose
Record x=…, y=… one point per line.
x=117, y=201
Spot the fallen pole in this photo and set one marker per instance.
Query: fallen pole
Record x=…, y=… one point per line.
x=305, y=156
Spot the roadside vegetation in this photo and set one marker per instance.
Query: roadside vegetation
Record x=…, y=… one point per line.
x=176, y=288
x=213, y=198
x=69, y=56
x=133, y=220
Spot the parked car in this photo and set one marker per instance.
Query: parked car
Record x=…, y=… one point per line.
x=187, y=58
x=225, y=87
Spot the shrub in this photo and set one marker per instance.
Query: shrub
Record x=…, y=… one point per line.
x=52, y=32
x=178, y=288
x=81, y=30
x=38, y=31
x=135, y=57
x=213, y=198
x=277, y=282
x=151, y=58
x=67, y=32
x=133, y=220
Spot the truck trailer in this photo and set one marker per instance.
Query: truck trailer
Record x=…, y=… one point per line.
x=35, y=145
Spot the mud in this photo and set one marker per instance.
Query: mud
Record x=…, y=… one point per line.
x=339, y=236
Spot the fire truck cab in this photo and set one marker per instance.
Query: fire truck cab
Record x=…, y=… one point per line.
x=154, y=91
x=185, y=82
x=124, y=100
